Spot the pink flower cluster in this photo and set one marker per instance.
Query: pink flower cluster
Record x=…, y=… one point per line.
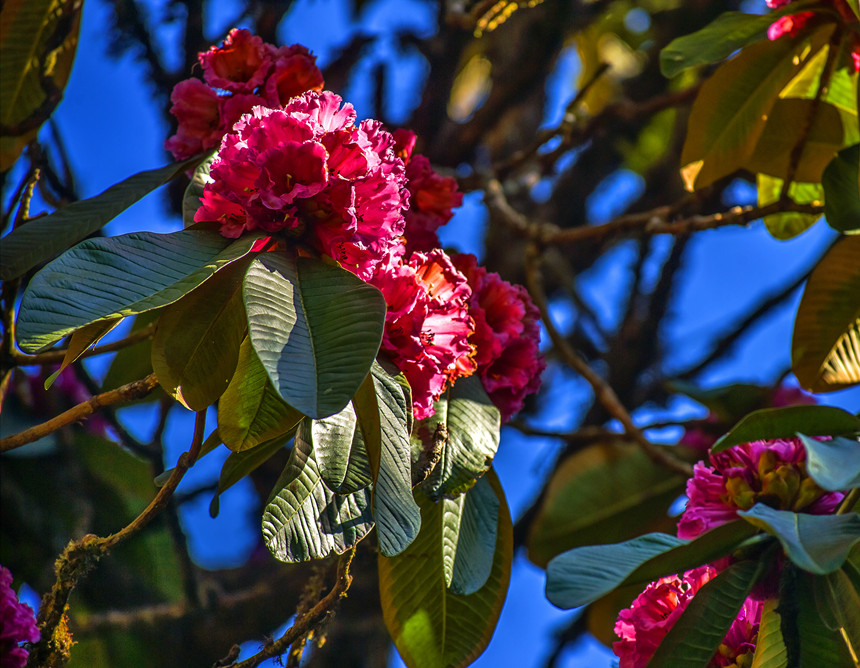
x=240, y=74
x=771, y=472
x=793, y=24
x=646, y=622
x=506, y=338
x=17, y=624
x=308, y=171
x=427, y=325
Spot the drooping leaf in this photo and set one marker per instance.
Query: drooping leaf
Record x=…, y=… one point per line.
x=40, y=240
x=315, y=327
x=113, y=277
x=731, y=110
x=818, y=645
x=605, y=493
x=841, y=182
x=80, y=342
x=341, y=454
x=835, y=464
x=251, y=412
x=584, y=574
x=432, y=626
x=770, y=651
x=785, y=422
x=382, y=413
x=717, y=40
x=304, y=519
x=38, y=40
x=694, y=638
x=825, y=347
x=788, y=224
x=473, y=425
x=816, y=543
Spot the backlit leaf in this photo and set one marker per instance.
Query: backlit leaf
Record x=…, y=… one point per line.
x=788, y=224
x=841, y=183
x=770, y=651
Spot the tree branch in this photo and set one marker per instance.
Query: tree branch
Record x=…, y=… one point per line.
x=57, y=356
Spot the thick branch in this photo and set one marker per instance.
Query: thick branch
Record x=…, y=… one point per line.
x=135, y=390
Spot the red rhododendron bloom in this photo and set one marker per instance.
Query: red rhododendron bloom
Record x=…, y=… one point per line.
x=17, y=624
x=432, y=196
x=308, y=171
x=789, y=25
x=506, y=338
x=427, y=325
x=771, y=472
x=242, y=73
x=646, y=622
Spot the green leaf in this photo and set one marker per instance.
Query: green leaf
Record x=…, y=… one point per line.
x=240, y=464
x=38, y=40
x=304, y=519
x=383, y=413
x=819, y=645
x=40, y=240
x=114, y=277
x=788, y=224
x=816, y=543
x=785, y=422
x=837, y=598
x=474, y=540
x=835, y=464
x=196, y=346
x=341, y=454
x=251, y=412
x=770, y=650
x=841, y=181
x=732, y=108
x=694, y=638
x=605, y=493
x=825, y=347
x=134, y=361
x=316, y=329
x=841, y=90
x=473, y=424
x=432, y=626
x=583, y=575
x=716, y=41
x=194, y=190
x=79, y=342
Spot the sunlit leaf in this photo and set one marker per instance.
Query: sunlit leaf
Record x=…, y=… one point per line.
x=432, y=626
x=788, y=224
x=605, y=493
x=770, y=651
x=196, y=345
x=841, y=183
x=816, y=543
x=785, y=422
x=304, y=519
x=40, y=240
x=251, y=411
x=340, y=451
x=113, y=277
x=825, y=348
x=315, y=327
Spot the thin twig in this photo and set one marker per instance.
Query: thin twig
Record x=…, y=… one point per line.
x=308, y=620
x=57, y=356
x=603, y=392
x=134, y=390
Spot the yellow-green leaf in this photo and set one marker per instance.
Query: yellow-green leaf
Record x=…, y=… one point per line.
x=825, y=349
x=79, y=342
x=788, y=224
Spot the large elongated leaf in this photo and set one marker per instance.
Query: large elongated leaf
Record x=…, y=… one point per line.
x=818, y=644
x=38, y=39
x=836, y=598
x=583, y=575
x=475, y=540
x=816, y=543
x=825, y=348
x=473, y=425
x=432, y=626
x=107, y=278
x=305, y=520
x=383, y=414
x=316, y=329
x=196, y=345
x=770, y=651
x=694, y=638
x=605, y=493
x=251, y=411
x=785, y=422
x=841, y=182
x=42, y=239
x=716, y=41
x=833, y=464
x=731, y=110
x=340, y=451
